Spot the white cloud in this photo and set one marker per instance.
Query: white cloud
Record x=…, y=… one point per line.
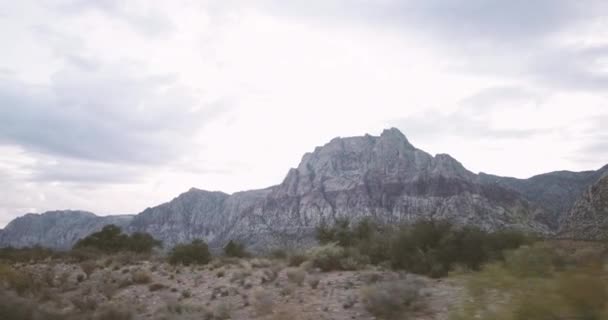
x=112, y=106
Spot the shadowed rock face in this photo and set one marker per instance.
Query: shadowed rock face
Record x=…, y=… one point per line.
x=384, y=177
x=588, y=218
x=555, y=191
x=55, y=229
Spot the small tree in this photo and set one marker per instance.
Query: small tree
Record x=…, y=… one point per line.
x=235, y=249
x=196, y=252
x=142, y=242
x=111, y=239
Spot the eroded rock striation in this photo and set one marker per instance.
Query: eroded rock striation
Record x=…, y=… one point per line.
x=588, y=218
x=56, y=229
x=384, y=177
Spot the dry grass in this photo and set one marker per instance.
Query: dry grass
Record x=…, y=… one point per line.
x=296, y=275
x=140, y=277
x=392, y=300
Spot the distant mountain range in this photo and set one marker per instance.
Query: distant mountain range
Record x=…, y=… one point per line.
x=383, y=177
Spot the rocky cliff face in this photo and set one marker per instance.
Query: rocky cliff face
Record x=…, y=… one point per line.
x=555, y=191
x=55, y=229
x=384, y=177
x=588, y=218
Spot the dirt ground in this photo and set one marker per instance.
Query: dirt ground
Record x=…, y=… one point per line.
x=239, y=289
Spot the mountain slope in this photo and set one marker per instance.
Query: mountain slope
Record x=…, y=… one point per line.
x=588, y=218
x=55, y=229
x=555, y=191
x=384, y=177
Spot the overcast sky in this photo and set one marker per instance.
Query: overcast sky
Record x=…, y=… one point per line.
x=113, y=106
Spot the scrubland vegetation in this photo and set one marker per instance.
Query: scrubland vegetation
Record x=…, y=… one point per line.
x=363, y=270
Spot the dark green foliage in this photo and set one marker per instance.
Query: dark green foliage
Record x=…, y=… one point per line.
x=235, y=249
x=111, y=240
x=196, y=252
x=425, y=247
x=343, y=233
x=141, y=242
x=435, y=247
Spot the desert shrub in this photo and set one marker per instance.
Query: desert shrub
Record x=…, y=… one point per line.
x=270, y=274
x=426, y=247
x=88, y=267
x=157, y=287
x=278, y=253
x=532, y=261
x=313, y=281
x=295, y=259
x=263, y=302
x=344, y=233
x=353, y=259
x=436, y=247
x=392, y=300
x=141, y=242
x=196, y=252
x=108, y=289
x=235, y=249
x=110, y=239
x=22, y=282
x=84, y=304
x=28, y=254
x=180, y=311
x=140, y=277
x=15, y=308
x=82, y=254
x=531, y=284
x=327, y=257
x=296, y=275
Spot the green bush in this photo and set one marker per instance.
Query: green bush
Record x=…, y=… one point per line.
x=235, y=249
x=196, y=252
x=392, y=300
x=532, y=283
x=111, y=240
x=425, y=247
x=327, y=257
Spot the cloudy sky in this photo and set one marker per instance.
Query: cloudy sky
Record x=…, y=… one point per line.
x=113, y=106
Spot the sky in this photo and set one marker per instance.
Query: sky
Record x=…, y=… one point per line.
x=113, y=106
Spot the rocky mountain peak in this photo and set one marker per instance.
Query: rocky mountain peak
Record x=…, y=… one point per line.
x=383, y=176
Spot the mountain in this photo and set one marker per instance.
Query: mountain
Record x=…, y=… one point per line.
x=588, y=218
x=384, y=177
x=555, y=191
x=55, y=229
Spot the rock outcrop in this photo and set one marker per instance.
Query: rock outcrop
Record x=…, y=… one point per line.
x=555, y=191
x=588, y=218
x=56, y=229
x=384, y=177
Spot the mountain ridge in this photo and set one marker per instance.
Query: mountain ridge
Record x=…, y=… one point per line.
x=384, y=177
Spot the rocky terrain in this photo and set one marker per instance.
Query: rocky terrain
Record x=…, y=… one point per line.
x=234, y=289
x=588, y=219
x=556, y=191
x=384, y=177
